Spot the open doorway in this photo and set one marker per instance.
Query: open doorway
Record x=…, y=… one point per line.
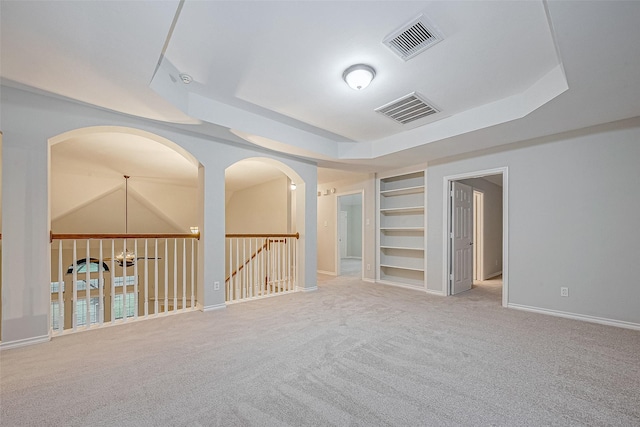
x=350, y=235
x=476, y=232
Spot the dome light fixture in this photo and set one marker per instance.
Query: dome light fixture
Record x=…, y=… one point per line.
x=359, y=76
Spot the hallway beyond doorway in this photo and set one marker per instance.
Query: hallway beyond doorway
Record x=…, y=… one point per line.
x=351, y=267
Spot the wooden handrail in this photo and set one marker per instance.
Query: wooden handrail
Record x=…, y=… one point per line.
x=70, y=236
x=297, y=235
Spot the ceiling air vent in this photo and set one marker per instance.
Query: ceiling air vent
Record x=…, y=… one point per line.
x=413, y=38
x=407, y=109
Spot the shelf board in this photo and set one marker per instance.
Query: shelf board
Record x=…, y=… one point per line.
x=401, y=268
x=401, y=228
x=404, y=248
x=402, y=191
x=402, y=282
x=408, y=209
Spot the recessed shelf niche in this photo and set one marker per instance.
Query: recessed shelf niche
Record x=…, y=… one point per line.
x=401, y=230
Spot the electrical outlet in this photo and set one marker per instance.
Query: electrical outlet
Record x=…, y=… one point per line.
x=216, y=286
x=564, y=292
x=368, y=266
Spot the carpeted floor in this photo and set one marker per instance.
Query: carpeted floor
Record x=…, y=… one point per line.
x=350, y=354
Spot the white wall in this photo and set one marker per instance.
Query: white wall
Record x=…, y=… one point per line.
x=262, y=208
x=28, y=121
x=354, y=230
x=107, y=215
x=492, y=225
x=573, y=220
x=327, y=227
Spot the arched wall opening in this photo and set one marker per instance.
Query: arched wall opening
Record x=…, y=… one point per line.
x=260, y=197
x=263, y=196
x=119, y=180
x=87, y=185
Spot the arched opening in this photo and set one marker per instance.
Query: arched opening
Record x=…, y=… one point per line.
x=263, y=200
x=126, y=200
x=87, y=185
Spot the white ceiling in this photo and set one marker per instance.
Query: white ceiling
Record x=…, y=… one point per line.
x=288, y=57
x=270, y=72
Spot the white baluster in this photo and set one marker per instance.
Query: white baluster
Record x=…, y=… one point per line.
x=184, y=274
x=228, y=282
x=146, y=280
x=113, y=282
x=166, y=276
x=237, y=263
x=244, y=269
x=74, y=305
x=175, y=274
x=124, y=280
x=193, y=284
x=135, y=279
x=87, y=286
x=155, y=286
x=60, y=289
x=100, y=286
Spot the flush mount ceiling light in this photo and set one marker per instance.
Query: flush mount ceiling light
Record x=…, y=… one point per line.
x=186, y=78
x=359, y=76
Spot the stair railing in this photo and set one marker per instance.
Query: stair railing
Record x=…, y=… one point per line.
x=260, y=265
x=100, y=279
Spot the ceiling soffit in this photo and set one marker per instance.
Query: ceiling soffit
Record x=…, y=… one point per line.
x=497, y=62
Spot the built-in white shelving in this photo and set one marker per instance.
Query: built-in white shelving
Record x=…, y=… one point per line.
x=401, y=229
x=408, y=209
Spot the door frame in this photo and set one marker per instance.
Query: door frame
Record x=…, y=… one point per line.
x=446, y=216
x=343, y=232
x=478, y=234
x=337, y=230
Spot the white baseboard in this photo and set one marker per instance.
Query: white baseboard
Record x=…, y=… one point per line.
x=366, y=279
x=328, y=273
x=575, y=316
x=310, y=289
x=492, y=275
x=213, y=307
x=7, y=345
x=401, y=285
x=439, y=293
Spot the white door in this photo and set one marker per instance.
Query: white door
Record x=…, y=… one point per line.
x=462, y=238
x=478, y=229
x=343, y=232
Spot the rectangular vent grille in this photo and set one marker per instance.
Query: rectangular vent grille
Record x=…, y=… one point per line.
x=407, y=109
x=413, y=38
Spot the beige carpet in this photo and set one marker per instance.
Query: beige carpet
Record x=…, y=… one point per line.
x=350, y=354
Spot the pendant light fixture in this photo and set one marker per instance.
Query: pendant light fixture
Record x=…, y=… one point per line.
x=126, y=258
x=126, y=204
